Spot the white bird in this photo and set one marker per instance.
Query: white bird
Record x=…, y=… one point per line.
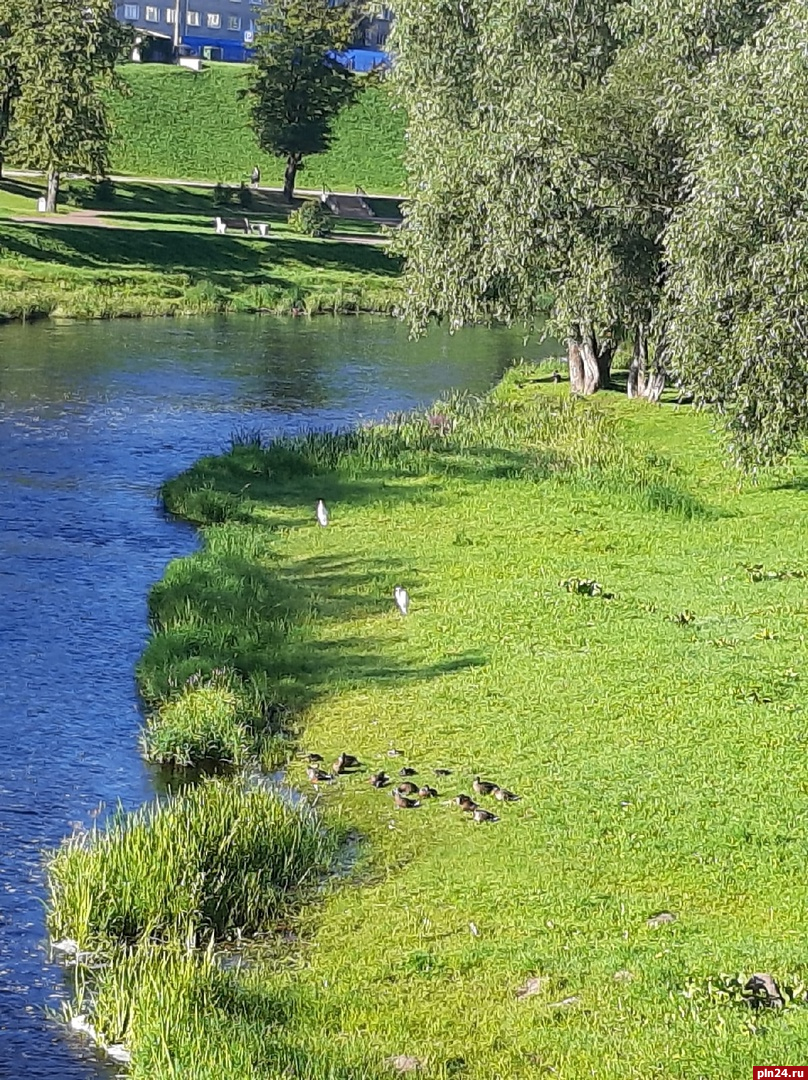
x=322, y=513
x=402, y=599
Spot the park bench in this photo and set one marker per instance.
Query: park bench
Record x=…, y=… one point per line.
x=243, y=224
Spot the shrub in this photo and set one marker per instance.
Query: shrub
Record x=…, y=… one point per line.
x=215, y=859
x=311, y=219
x=89, y=193
x=245, y=198
x=222, y=195
x=210, y=720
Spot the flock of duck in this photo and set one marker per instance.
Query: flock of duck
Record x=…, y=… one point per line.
x=407, y=794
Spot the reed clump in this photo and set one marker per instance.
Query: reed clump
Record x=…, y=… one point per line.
x=210, y=720
x=217, y=859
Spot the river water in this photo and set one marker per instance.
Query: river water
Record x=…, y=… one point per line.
x=92, y=418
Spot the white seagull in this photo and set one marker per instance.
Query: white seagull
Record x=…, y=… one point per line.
x=402, y=599
x=322, y=513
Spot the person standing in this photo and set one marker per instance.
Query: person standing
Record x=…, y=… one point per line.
x=255, y=178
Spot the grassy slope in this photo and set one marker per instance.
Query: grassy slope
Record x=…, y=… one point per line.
x=162, y=257
x=661, y=764
x=182, y=124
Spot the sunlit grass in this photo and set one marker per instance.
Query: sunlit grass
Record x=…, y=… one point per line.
x=655, y=731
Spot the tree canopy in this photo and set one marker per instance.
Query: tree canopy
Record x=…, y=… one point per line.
x=547, y=153
x=737, y=299
x=64, y=56
x=298, y=86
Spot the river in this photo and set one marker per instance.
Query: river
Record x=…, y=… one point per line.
x=93, y=416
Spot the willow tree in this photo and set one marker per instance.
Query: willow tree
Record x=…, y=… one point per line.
x=298, y=85
x=546, y=156
x=737, y=297
x=66, y=54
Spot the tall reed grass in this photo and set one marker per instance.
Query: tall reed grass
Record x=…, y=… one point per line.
x=184, y=1015
x=217, y=859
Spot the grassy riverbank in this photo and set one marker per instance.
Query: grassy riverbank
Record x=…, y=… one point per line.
x=654, y=731
x=153, y=251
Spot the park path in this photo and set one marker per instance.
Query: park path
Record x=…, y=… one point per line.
x=176, y=182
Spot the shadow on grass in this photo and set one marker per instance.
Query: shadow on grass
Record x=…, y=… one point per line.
x=270, y=621
x=226, y=259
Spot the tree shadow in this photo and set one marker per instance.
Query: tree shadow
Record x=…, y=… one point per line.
x=222, y=259
x=270, y=620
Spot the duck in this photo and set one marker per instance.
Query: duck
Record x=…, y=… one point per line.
x=484, y=815
x=427, y=792
x=504, y=795
x=465, y=802
x=317, y=775
x=313, y=759
x=392, y=752
x=345, y=762
x=379, y=779
x=408, y=788
x=442, y=772
x=407, y=771
x=484, y=787
x=402, y=802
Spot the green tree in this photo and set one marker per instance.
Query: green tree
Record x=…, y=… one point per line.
x=66, y=54
x=9, y=74
x=546, y=156
x=297, y=85
x=737, y=296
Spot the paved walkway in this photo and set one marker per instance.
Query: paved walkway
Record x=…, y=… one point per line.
x=29, y=174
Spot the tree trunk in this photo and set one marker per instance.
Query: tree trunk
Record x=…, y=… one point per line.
x=53, y=192
x=292, y=165
x=643, y=382
x=590, y=365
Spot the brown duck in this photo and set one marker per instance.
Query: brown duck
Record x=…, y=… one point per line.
x=427, y=792
x=343, y=763
x=317, y=775
x=402, y=802
x=408, y=788
x=484, y=787
x=465, y=802
x=484, y=815
x=379, y=779
x=504, y=795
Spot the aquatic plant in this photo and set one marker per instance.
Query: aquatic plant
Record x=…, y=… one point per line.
x=217, y=859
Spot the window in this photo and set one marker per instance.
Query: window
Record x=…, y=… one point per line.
x=192, y=18
x=214, y=20
x=234, y=22
x=152, y=14
x=171, y=15
x=131, y=11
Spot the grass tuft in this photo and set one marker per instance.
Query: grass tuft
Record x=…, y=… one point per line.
x=215, y=860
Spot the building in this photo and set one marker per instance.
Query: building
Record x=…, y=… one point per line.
x=209, y=29
x=225, y=29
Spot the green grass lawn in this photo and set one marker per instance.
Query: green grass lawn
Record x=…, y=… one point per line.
x=656, y=738
x=161, y=256
x=189, y=125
